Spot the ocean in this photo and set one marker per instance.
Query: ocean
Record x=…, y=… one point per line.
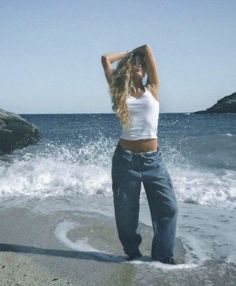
x=69, y=169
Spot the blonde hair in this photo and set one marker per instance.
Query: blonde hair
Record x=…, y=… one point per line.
x=121, y=84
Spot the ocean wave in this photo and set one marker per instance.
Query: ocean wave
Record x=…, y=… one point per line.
x=206, y=188
x=87, y=171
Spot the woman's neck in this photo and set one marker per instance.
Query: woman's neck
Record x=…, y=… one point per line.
x=137, y=83
x=136, y=88
x=136, y=91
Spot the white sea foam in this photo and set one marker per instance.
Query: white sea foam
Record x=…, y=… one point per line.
x=205, y=188
x=59, y=171
x=81, y=245
x=61, y=233
x=51, y=177
x=164, y=266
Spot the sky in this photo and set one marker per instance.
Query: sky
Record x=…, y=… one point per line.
x=50, y=51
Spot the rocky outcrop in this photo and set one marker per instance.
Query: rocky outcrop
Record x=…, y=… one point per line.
x=225, y=105
x=16, y=132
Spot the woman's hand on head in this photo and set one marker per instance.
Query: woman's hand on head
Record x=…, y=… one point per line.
x=151, y=68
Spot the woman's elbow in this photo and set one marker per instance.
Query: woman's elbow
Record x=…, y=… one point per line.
x=104, y=59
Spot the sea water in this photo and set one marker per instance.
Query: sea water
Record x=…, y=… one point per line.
x=71, y=165
x=74, y=154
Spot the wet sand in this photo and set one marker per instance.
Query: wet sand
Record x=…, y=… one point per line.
x=82, y=248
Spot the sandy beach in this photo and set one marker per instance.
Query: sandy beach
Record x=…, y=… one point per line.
x=43, y=246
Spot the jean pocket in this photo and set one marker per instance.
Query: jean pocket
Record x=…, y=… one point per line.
x=121, y=157
x=121, y=162
x=155, y=161
x=126, y=157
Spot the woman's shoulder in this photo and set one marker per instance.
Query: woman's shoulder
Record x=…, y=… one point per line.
x=153, y=91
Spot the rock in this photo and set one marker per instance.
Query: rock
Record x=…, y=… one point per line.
x=16, y=132
x=226, y=104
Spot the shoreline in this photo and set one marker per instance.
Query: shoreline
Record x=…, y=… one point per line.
x=68, y=247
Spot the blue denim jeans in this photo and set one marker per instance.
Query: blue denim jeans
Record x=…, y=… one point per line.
x=129, y=169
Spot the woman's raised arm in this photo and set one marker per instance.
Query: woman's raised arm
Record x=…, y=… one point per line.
x=108, y=59
x=151, y=67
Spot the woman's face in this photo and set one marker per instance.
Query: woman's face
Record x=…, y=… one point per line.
x=138, y=65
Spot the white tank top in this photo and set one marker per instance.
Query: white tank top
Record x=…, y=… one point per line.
x=143, y=116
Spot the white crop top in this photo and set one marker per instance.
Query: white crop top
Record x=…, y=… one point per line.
x=143, y=116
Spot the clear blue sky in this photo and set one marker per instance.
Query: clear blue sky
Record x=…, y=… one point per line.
x=50, y=51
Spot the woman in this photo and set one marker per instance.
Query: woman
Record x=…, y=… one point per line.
x=137, y=157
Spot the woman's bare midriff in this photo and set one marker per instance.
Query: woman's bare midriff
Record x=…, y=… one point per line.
x=142, y=145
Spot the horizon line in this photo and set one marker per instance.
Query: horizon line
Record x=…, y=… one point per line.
x=93, y=113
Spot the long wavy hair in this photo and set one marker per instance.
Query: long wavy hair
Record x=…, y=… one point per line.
x=121, y=84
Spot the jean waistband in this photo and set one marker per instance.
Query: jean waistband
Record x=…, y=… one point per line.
x=137, y=153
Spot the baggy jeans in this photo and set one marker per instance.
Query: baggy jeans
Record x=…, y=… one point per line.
x=129, y=169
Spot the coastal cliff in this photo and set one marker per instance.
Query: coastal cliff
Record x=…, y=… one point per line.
x=226, y=104
x=15, y=132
